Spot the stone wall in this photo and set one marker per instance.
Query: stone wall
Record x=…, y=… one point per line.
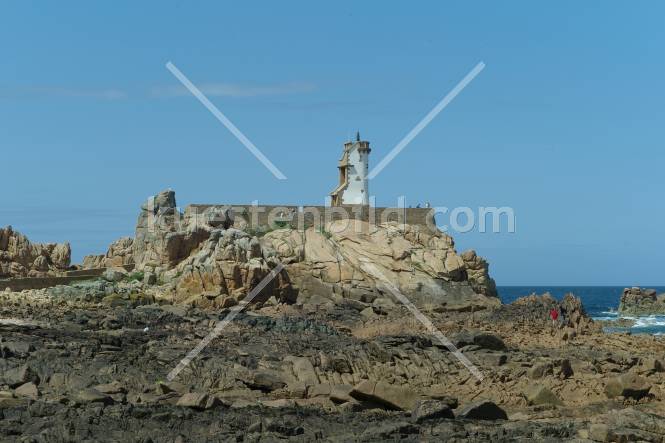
x=303, y=217
x=68, y=277
x=21, y=284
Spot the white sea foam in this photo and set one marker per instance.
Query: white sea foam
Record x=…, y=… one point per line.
x=653, y=324
x=649, y=321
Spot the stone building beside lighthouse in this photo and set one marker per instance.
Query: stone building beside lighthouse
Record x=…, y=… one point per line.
x=353, y=188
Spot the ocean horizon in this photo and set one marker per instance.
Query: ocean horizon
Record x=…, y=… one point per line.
x=600, y=303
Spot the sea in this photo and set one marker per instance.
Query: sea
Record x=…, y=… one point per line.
x=600, y=303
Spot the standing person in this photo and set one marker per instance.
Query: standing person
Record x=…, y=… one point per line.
x=554, y=315
x=562, y=316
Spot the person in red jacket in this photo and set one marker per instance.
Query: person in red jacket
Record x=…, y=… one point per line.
x=554, y=315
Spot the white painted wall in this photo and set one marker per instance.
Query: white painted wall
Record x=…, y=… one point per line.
x=357, y=193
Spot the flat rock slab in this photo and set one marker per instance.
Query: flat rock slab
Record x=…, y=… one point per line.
x=93, y=396
x=28, y=390
x=392, y=396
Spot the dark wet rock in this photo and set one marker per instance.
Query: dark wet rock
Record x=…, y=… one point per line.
x=482, y=340
x=482, y=410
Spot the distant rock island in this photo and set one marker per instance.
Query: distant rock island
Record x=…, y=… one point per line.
x=638, y=301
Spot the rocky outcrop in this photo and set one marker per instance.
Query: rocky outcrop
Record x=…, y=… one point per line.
x=207, y=261
x=361, y=261
x=228, y=265
x=21, y=258
x=477, y=270
x=574, y=314
x=535, y=309
x=120, y=253
x=162, y=239
x=638, y=301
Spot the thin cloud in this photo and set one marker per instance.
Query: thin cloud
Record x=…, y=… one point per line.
x=316, y=106
x=62, y=92
x=112, y=94
x=236, y=90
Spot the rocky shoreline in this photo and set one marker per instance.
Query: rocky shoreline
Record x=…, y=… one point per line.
x=323, y=353
x=89, y=363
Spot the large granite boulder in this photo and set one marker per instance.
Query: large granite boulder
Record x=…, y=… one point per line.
x=21, y=258
x=364, y=261
x=628, y=385
x=119, y=253
x=163, y=239
x=538, y=394
x=477, y=270
x=638, y=301
x=227, y=267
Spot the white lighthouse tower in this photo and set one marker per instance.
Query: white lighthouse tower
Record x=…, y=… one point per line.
x=353, y=188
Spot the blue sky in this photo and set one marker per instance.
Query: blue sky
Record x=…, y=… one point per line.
x=565, y=124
